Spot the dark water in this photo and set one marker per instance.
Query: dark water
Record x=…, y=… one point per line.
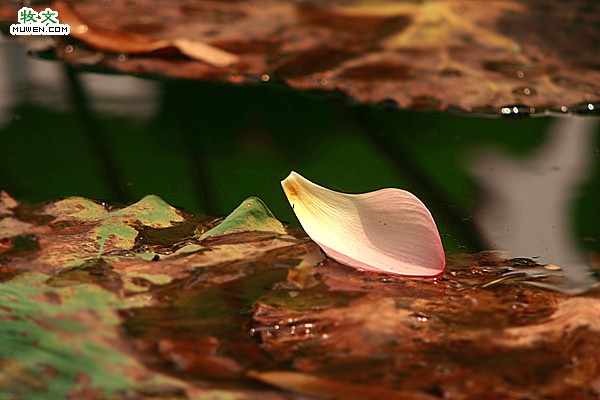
x=530, y=187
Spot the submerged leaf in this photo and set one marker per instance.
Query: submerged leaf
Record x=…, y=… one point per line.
x=387, y=230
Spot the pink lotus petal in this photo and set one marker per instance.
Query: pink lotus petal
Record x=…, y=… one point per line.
x=388, y=230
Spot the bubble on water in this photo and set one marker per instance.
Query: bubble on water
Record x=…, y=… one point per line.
x=518, y=111
x=586, y=108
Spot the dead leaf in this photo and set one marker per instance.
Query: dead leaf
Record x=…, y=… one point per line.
x=199, y=357
x=511, y=58
x=326, y=388
x=164, y=311
x=130, y=43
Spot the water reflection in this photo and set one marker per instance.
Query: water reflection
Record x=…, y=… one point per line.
x=527, y=206
x=27, y=79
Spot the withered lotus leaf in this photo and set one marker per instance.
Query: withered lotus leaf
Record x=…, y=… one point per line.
x=508, y=57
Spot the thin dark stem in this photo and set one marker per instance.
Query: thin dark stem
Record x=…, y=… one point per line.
x=203, y=185
x=112, y=176
x=183, y=107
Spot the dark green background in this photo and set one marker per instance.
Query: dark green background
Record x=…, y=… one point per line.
x=212, y=145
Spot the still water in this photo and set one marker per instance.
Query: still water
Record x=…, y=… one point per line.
x=529, y=188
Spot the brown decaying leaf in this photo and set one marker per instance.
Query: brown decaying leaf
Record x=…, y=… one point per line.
x=326, y=388
x=199, y=357
x=509, y=57
x=267, y=306
x=123, y=42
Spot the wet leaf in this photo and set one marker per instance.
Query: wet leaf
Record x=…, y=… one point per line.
x=87, y=230
x=258, y=311
x=315, y=386
x=62, y=341
x=199, y=357
x=512, y=58
x=130, y=43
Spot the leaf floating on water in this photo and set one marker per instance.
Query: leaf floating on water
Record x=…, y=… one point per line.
x=388, y=230
x=130, y=43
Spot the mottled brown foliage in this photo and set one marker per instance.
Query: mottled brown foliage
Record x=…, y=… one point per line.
x=509, y=57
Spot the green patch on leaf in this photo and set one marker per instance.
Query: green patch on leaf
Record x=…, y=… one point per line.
x=106, y=231
x=65, y=340
x=94, y=270
x=251, y=215
x=151, y=211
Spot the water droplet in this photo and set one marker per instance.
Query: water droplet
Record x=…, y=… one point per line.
x=586, y=108
x=122, y=57
x=521, y=74
x=518, y=305
x=68, y=49
x=518, y=111
x=527, y=91
x=564, y=109
x=265, y=77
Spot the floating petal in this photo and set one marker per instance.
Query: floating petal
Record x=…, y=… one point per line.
x=388, y=230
